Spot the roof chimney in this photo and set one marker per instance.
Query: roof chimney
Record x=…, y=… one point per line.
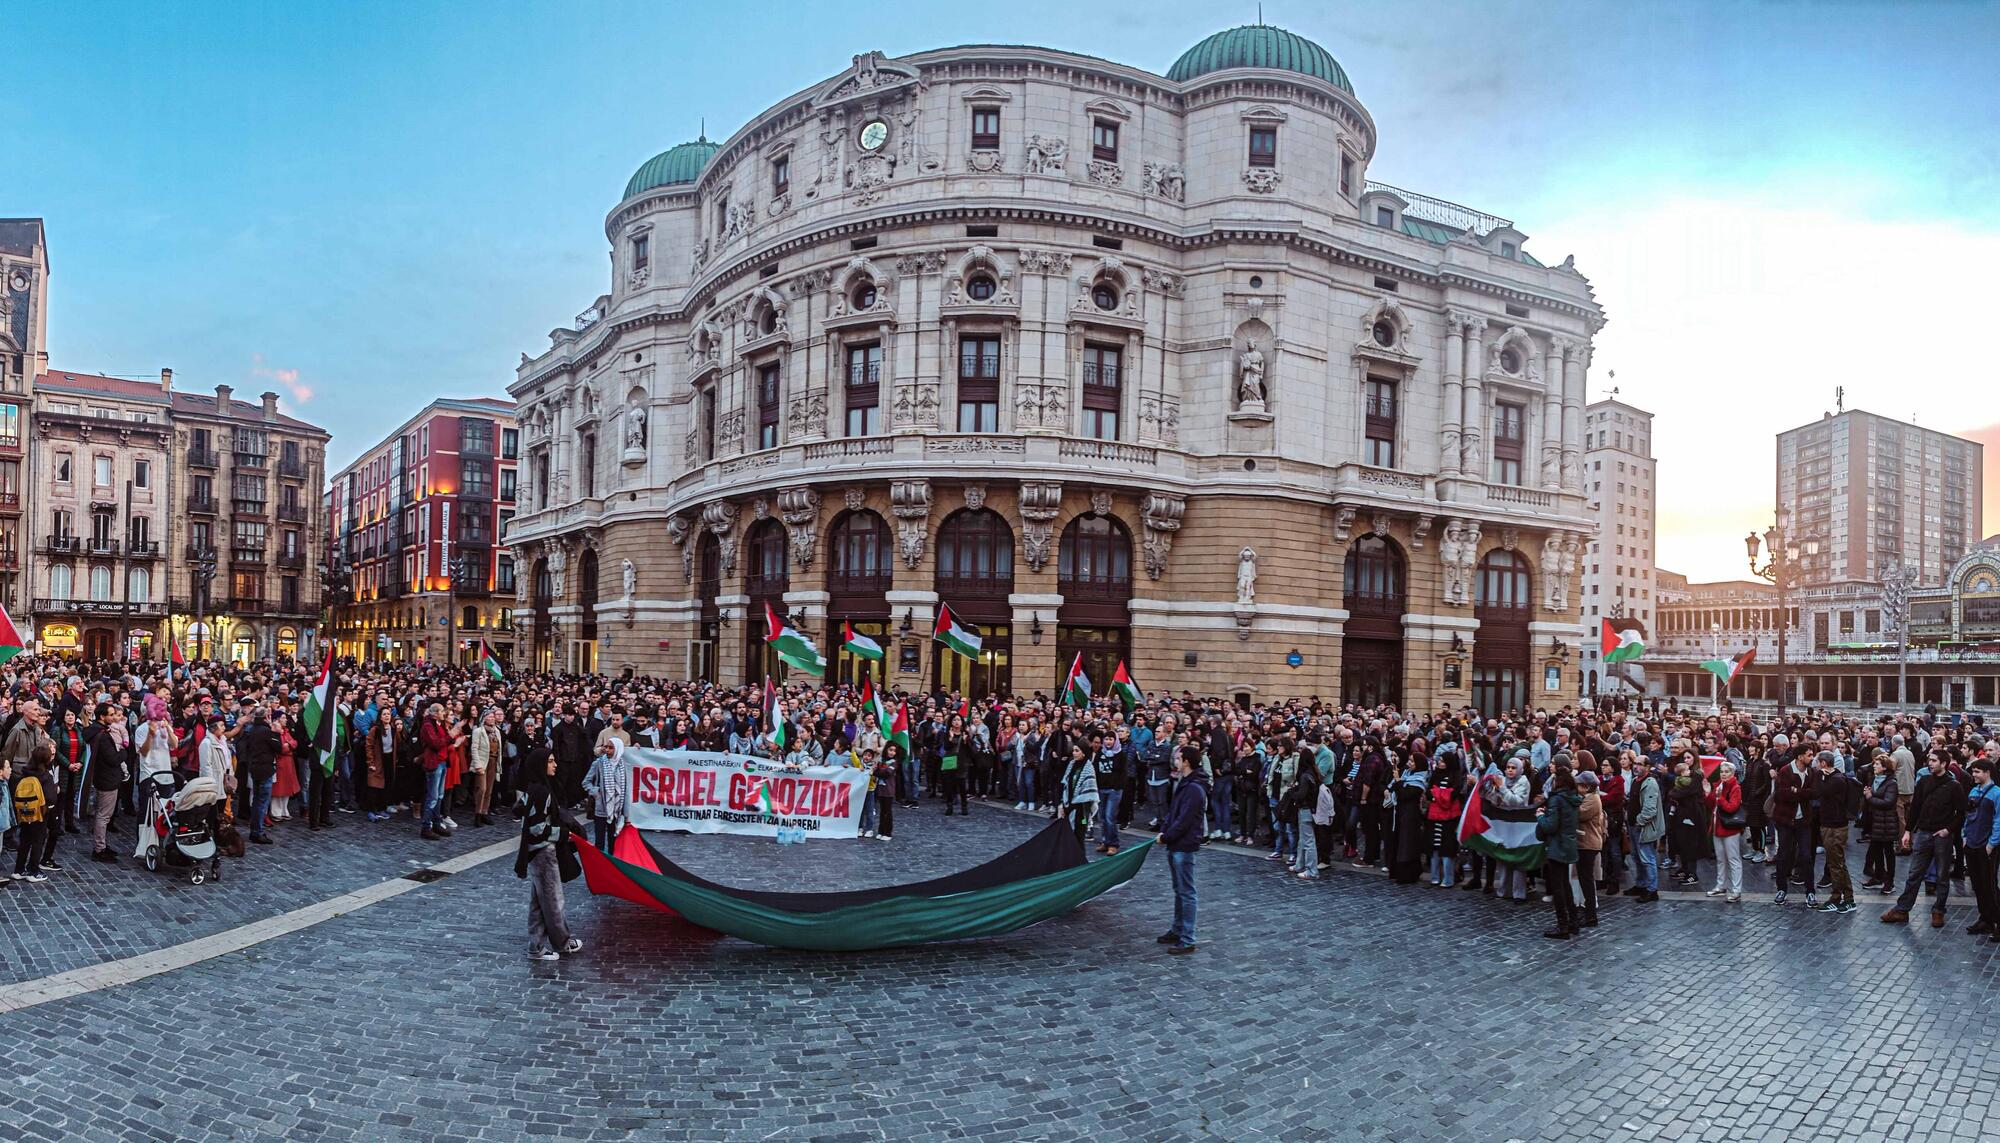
x=222, y=393
x=270, y=406
x=166, y=380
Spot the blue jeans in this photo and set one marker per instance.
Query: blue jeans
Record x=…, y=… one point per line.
x=1024, y=786
x=868, y=811
x=1649, y=865
x=433, y=798
x=1180, y=866
x=1924, y=848
x=1107, y=819
x=1219, y=817
x=260, y=804
x=1284, y=837
x=912, y=773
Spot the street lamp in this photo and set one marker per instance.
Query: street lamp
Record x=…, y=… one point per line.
x=1714, y=680
x=203, y=572
x=1781, y=567
x=460, y=567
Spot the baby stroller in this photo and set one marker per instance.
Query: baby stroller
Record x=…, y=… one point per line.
x=176, y=828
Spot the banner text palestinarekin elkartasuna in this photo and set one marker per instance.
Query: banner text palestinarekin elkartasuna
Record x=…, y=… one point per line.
x=705, y=792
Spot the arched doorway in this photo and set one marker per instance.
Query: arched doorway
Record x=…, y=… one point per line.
x=1375, y=591
x=859, y=574
x=708, y=586
x=542, y=598
x=583, y=649
x=243, y=646
x=975, y=575
x=288, y=642
x=1500, y=668
x=767, y=577
x=1094, y=574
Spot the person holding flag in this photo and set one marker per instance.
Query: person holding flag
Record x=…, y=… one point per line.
x=1076, y=686
x=324, y=729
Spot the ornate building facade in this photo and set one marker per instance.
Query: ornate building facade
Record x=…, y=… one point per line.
x=1112, y=363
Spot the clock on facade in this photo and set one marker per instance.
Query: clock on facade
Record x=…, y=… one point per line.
x=874, y=133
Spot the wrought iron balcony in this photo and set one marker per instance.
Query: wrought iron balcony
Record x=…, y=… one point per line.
x=201, y=505
x=292, y=469
x=64, y=545
x=100, y=546
x=143, y=549
x=292, y=513
x=203, y=458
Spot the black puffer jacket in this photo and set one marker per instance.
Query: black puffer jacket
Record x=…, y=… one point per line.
x=1883, y=823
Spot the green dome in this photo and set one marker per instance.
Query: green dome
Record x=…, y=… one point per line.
x=1259, y=45
x=682, y=164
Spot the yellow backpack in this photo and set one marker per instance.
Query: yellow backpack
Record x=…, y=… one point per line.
x=28, y=801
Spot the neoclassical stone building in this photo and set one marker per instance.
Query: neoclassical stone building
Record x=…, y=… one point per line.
x=1110, y=362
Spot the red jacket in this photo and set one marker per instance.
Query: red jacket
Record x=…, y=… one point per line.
x=436, y=738
x=1724, y=797
x=1444, y=803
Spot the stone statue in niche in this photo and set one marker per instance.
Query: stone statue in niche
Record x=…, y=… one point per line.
x=1246, y=577
x=635, y=434
x=630, y=576
x=1250, y=379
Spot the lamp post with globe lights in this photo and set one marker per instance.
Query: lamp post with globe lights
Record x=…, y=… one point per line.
x=1781, y=567
x=1897, y=579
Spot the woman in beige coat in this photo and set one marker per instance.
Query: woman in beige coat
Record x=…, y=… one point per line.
x=484, y=756
x=1589, y=842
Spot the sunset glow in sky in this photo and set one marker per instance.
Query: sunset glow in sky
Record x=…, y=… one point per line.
x=365, y=205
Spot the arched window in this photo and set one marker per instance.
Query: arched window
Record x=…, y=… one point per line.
x=139, y=586
x=62, y=581
x=469, y=618
x=100, y=584
x=1373, y=580
x=708, y=561
x=768, y=574
x=1095, y=559
x=975, y=554
x=1503, y=582
x=544, y=586
x=859, y=554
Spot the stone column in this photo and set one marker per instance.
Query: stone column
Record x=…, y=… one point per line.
x=1572, y=449
x=1473, y=424
x=1552, y=417
x=1454, y=372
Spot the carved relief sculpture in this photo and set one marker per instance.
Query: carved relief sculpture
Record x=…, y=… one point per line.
x=1105, y=174
x=910, y=503
x=1164, y=180
x=1161, y=515
x=1451, y=550
x=799, y=508
x=719, y=517
x=1262, y=180
x=681, y=532
x=1046, y=154
x=1250, y=379
x=1246, y=577
x=1555, y=586
x=1039, y=505
x=1343, y=522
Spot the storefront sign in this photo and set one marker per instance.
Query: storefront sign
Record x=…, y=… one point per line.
x=705, y=792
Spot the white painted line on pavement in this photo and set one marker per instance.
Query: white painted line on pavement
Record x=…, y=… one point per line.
x=111, y=974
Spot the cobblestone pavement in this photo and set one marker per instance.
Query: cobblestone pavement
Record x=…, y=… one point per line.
x=1343, y=1009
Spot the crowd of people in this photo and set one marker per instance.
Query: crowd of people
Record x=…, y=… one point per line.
x=1623, y=798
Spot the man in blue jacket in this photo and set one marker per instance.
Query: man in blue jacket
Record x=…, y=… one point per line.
x=1982, y=834
x=1182, y=836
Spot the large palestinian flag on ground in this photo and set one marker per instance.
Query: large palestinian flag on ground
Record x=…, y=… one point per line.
x=322, y=717
x=1728, y=669
x=1505, y=835
x=1621, y=639
x=951, y=633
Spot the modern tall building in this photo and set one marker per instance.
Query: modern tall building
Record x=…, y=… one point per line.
x=1875, y=490
x=1112, y=363
x=24, y=293
x=99, y=463
x=425, y=504
x=247, y=529
x=1620, y=575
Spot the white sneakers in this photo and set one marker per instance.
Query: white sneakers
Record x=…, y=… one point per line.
x=1020, y=805
x=550, y=955
x=575, y=945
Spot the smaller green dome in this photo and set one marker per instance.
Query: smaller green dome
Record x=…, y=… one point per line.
x=1259, y=45
x=672, y=167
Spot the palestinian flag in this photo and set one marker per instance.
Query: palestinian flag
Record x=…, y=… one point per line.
x=965, y=708
x=963, y=640
x=774, y=714
x=792, y=645
x=1505, y=835
x=1621, y=639
x=490, y=662
x=855, y=643
x=899, y=730
x=872, y=708
x=322, y=718
x=1709, y=763
x=1076, y=688
x=176, y=662
x=1122, y=685
x=1728, y=669
x=11, y=643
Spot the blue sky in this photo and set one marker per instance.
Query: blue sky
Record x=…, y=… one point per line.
x=367, y=204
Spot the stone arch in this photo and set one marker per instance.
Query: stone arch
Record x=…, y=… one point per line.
x=1113, y=272
x=1517, y=340
x=1390, y=311
x=859, y=270
x=764, y=314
